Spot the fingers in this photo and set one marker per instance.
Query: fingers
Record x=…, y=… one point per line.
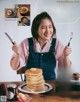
x=16, y=48
x=67, y=51
x=14, y=43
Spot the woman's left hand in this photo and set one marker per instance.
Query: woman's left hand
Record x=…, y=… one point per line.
x=67, y=51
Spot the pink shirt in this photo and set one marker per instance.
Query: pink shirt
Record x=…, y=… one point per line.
x=25, y=51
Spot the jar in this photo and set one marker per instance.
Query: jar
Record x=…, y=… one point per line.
x=11, y=92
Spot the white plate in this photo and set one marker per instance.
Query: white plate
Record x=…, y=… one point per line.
x=74, y=81
x=22, y=88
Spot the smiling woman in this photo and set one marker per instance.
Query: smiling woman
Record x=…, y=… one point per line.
x=42, y=50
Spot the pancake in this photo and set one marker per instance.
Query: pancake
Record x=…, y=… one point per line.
x=33, y=72
x=35, y=80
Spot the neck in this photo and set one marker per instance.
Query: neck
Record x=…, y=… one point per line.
x=42, y=42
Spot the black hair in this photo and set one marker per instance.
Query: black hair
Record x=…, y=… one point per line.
x=36, y=22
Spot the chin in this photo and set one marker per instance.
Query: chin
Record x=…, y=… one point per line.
x=47, y=38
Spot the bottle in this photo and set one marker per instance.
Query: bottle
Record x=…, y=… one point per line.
x=11, y=92
x=3, y=97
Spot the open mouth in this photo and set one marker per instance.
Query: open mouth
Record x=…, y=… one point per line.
x=47, y=35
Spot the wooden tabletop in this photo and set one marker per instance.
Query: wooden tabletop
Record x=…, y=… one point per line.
x=63, y=93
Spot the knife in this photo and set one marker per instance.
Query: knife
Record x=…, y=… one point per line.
x=9, y=38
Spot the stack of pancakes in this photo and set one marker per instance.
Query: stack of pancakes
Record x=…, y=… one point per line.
x=34, y=79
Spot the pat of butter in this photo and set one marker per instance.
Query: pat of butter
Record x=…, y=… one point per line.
x=33, y=69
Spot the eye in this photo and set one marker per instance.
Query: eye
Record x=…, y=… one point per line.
x=50, y=27
x=43, y=27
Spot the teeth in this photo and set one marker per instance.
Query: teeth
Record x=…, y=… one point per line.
x=46, y=35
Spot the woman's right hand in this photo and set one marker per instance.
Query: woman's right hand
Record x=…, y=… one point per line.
x=16, y=48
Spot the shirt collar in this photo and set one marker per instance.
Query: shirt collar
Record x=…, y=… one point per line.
x=38, y=47
x=48, y=42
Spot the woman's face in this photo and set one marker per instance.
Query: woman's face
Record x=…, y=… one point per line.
x=45, y=30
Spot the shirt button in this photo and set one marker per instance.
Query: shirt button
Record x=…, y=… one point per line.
x=41, y=54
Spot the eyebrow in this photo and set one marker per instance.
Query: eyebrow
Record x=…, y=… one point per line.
x=45, y=25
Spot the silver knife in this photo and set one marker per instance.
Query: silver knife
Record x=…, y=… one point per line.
x=9, y=38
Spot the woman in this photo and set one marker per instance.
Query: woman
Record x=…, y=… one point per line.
x=43, y=50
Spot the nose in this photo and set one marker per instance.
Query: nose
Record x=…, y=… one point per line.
x=47, y=30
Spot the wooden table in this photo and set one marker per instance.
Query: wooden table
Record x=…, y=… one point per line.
x=63, y=93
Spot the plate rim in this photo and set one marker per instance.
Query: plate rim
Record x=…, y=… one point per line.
x=72, y=80
x=47, y=84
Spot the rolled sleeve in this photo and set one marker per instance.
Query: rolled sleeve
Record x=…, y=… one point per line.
x=59, y=53
x=24, y=52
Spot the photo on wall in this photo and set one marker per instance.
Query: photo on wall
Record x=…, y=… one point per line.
x=24, y=21
x=10, y=13
x=22, y=9
x=21, y=12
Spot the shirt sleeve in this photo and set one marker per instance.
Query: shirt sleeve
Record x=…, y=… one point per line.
x=24, y=48
x=59, y=53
